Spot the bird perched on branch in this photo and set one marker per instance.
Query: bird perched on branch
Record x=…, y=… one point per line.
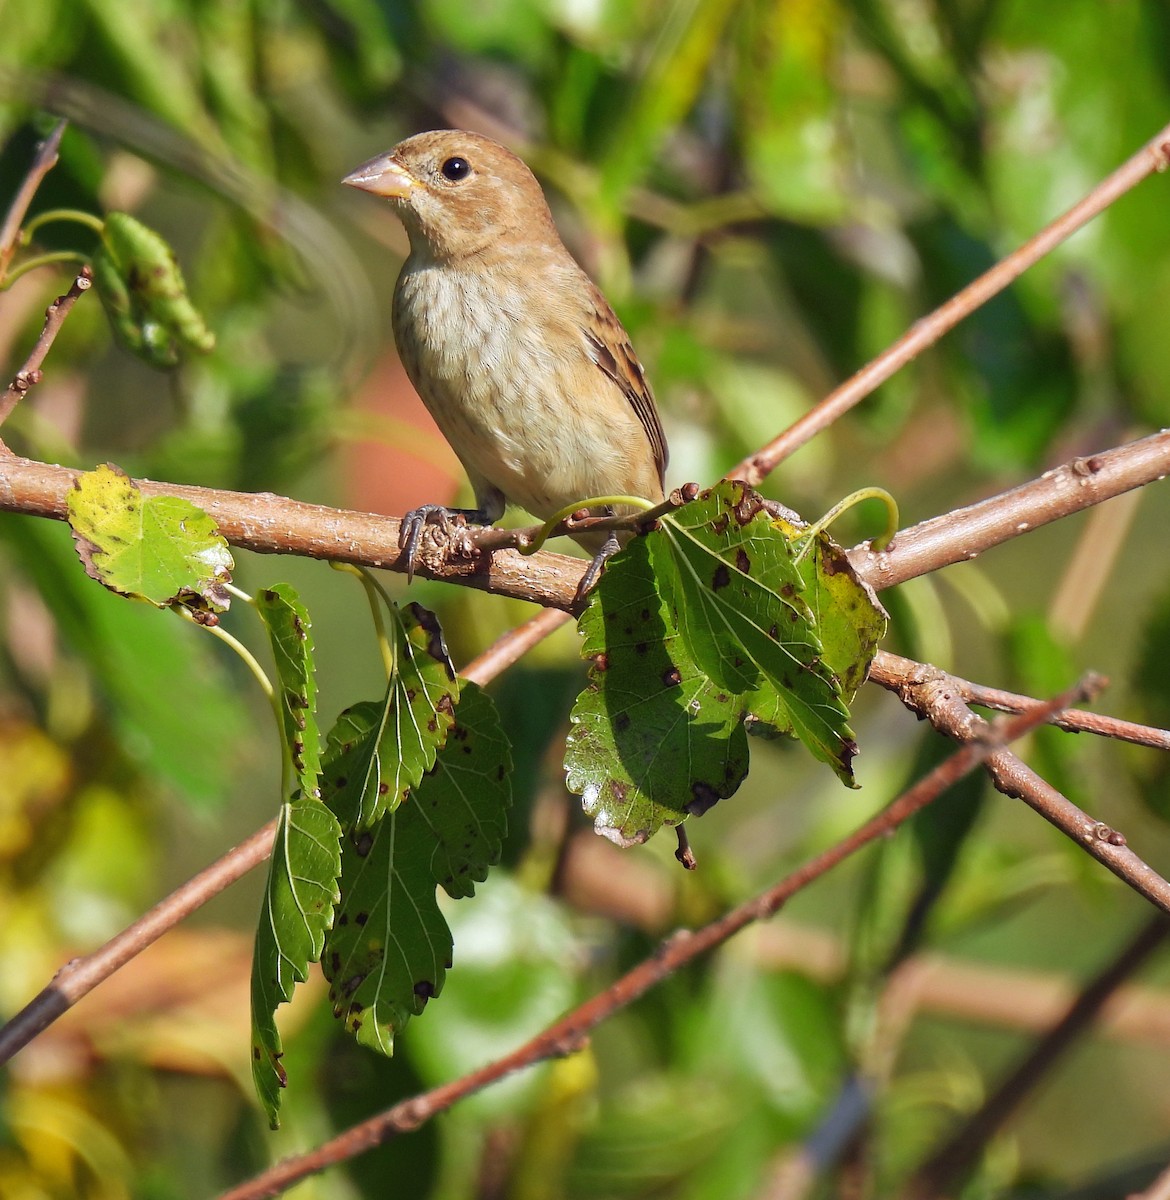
x=519, y=358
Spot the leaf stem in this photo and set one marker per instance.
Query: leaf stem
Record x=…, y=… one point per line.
x=42, y=260
x=374, y=592
x=78, y=215
x=878, y=543
x=542, y=536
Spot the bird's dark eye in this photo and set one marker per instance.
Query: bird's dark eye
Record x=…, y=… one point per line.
x=456, y=169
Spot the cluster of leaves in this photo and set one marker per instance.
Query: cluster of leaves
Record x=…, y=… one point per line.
x=354, y=867
x=706, y=625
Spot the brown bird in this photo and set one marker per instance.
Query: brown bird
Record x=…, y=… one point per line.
x=520, y=359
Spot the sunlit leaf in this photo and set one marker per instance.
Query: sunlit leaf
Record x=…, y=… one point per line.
x=161, y=549
x=653, y=739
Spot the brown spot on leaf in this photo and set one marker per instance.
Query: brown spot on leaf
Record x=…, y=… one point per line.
x=436, y=646
x=363, y=844
x=424, y=988
x=351, y=985
x=672, y=676
x=621, y=722
x=721, y=578
x=362, y=917
x=747, y=504
x=742, y=562
x=720, y=523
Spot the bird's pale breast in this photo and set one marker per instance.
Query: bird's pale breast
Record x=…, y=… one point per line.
x=506, y=372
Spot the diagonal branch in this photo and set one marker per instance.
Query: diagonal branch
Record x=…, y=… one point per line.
x=894, y=672
x=935, y=699
x=950, y=1163
x=1152, y=157
x=42, y=164
x=571, y=1031
x=30, y=373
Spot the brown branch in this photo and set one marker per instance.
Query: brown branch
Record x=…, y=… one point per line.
x=82, y=975
x=569, y=1033
x=42, y=164
x=1158, y=1190
x=271, y=524
x=935, y=699
x=1152, y=157
x=894, y=672
x=29, y=375
x=966, y=532
x=952, y=1162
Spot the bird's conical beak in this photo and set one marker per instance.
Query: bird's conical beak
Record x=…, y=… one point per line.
x=382, y=176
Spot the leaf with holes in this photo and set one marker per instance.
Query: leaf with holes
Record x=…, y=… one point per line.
x=298, y=909
x=160, y=549
x=729, y=573
x=653, y=739
x=390, y=947
x=290, y=633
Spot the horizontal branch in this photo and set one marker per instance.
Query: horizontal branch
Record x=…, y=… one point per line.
x=270, y=524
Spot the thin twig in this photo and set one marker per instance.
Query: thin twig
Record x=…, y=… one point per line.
x=894, y=672
x=952, y=1162
x=513, y=645
x=81, y=975
x=570, y=1032
x=1152, y=157
x=42, y=164
x=29, y=375
x=941, y=705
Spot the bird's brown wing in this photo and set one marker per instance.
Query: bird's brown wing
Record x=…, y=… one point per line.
x=610, y=349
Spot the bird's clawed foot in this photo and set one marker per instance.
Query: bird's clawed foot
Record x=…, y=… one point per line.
x=593, y=571
x=413, y=523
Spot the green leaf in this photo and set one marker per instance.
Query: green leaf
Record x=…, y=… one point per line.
x=850, y=622
x=653, y=739
x=729, y=573
x=163, y=549
x=390, y=948
x=299, y=899
x=693, y=629
x=144, y=294
x=289, y=631
x=420, y=699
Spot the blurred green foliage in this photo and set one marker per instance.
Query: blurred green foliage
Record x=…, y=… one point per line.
x=769, y=192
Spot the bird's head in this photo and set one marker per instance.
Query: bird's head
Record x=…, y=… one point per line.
x=457, y=193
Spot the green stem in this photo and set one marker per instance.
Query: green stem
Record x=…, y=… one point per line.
x=375, y=592
x=43, y=260
x=77, y=215
x=546, y=529
x=854, y=498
